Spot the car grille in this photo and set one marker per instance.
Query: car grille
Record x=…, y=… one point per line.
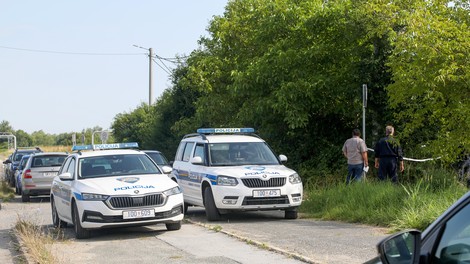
x=259, y=183
x=132, y=201
x=265, y=200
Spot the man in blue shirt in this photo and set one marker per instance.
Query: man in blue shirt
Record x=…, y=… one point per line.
x=388, y=154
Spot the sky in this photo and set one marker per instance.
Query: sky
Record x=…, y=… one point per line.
x=70, y=65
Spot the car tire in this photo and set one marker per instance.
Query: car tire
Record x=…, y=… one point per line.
x=212, y=213
x=185, y=208
x=25, y=198
x=291, y=214
x=80, y=232
x=173, y=226
x=55, y=217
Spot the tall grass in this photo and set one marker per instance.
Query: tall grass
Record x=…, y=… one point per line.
x=36, y=241
x=409, y=205
x=56, y=148
x=6, y=193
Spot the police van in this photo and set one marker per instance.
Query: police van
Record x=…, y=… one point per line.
x=113, y=186
x=233, y=169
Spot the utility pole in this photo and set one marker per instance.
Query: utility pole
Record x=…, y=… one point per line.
x=150, y=77
x=150, y=73
x=364, y=105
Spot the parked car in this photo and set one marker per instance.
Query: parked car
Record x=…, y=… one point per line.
x=19, y=172
x=12, y=163
x=113, y=188
x=158, y=157
x=446, y=240
x=38, y=173
x=233, y=169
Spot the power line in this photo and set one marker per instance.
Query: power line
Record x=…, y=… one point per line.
x=163, y=63
x=165, y=70
x=72, y=53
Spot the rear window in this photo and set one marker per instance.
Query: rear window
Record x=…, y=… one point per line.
x=48, y=161
x=20, y=154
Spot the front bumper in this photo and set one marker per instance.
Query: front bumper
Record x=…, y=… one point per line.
x=241, y=197
x=96, y=214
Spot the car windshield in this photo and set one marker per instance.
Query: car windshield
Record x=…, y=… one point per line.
x=48, y=161
x=237, y=153
x=158, y=158
x=114, y=165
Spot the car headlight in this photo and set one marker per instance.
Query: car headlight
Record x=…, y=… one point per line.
x=226, y=180
x=172, y=191
x=295, y=178
x=94, y=197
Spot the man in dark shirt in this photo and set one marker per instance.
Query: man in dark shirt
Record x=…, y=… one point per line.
x=388, y=154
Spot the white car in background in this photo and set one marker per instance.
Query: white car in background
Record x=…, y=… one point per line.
x=233, y=169
x=113, y=188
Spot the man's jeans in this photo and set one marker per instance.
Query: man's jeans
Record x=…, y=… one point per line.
x=354, y=172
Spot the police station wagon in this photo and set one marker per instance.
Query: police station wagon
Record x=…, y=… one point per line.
x=111, y=188
x=232, y=169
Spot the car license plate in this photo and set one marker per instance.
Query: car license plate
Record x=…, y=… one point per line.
x=267, y=193
x=50, y=174
x=138, y=214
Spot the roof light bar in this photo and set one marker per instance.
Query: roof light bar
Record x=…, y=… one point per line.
x=106, y=146
x=225, y=130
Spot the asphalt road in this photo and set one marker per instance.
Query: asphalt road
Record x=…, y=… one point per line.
x=251, y=237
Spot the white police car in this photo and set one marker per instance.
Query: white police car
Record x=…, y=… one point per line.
x=111, y=188
x=232, y=169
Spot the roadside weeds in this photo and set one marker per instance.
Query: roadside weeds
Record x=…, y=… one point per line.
x=35, y=242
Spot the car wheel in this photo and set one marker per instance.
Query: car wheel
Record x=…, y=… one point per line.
x=291, y=214
x=212, y=213
x=25, y=198
x=80, y=232
x=173, y=226
x=55, y=217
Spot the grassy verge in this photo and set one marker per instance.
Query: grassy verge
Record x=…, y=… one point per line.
x=413, y=205
x=36, y=241
x=6, y=193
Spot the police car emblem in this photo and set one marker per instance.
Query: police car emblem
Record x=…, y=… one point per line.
x=256, y=168
x=128, y=179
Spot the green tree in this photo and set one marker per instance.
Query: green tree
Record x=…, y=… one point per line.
x=431, y=72
x=40, y=138
x=134, y=126
x=23, y=139
x=293, y=70
x=6, y=127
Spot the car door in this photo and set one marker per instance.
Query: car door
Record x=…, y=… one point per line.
x=64, y=190
x=196, y=173
x=183, y=170
x=449, y=239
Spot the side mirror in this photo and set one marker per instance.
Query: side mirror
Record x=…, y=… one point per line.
x=66, y=176
x=283, y=158
x=197, y=160
x=8, y=161
x=402, y=247
x=167, y=169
